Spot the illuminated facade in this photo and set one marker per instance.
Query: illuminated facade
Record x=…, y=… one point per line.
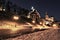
x=34, y=15
x=36, y=18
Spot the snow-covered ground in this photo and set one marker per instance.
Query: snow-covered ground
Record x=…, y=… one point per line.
x=15, y=31
x=52, y=34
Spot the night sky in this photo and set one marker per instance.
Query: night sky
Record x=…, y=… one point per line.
x=51, y=6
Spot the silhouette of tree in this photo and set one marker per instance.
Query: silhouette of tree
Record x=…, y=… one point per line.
x=14, y=8
x=2, y=4
x=8, y=7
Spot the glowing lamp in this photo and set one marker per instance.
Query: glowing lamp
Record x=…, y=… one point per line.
x=54, y=25
x=40, y=22
x=15, y=17
x=28, y=16
x=33, y=21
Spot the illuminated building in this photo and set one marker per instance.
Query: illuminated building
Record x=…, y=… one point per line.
x=34, y=15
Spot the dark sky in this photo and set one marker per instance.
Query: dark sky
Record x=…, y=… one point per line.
x=51, y=6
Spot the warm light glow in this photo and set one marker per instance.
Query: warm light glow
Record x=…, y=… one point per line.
x=15, y=17
x=33, y=21
x=0, y=9
x=54, y=25
x=40, y=27
x=47, y=22
x=28, y=16
x=40, y=22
